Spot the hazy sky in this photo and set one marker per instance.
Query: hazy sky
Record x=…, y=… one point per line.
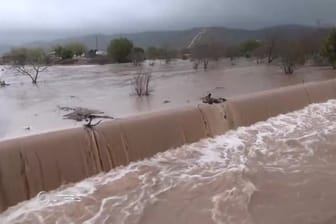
x=51, y=18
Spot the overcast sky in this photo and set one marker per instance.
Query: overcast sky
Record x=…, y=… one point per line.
x=52, y=18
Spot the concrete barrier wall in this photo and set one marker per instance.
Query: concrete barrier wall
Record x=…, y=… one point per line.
x=41, y=163
x=44, y=162
x=247, y=110
x=216, y=119
x=123, y=141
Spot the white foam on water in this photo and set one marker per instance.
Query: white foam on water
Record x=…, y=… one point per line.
x=211, y=180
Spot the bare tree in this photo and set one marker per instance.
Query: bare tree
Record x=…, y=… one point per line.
x=270, y=50
x=29, y=62
x=270, y=46
x=260, y=53
x=195, y=65
x=202, y=53
x=232, y=52
x=167, y=54
x=141, y=83
x=207, y=48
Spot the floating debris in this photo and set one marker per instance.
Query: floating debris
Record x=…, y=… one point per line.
x=3, y=83
x=211, y=100
x=84, y=114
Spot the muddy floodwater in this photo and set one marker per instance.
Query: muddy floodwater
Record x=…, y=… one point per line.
x=26, y=109
x=274, y=172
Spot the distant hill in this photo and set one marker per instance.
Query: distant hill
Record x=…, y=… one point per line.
x=181, y=39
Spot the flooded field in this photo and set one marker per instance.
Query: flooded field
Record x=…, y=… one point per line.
x=274, y=172
x=26, y=109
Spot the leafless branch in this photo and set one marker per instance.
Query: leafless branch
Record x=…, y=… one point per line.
x=141, y=83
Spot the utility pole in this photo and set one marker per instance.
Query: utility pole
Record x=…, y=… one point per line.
x=97, y=42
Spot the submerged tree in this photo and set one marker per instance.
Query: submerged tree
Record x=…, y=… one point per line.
x=260, y=53
x=152, y=53
x=232, y=52
x=206, y=51
x=120, y=50
x=76, y=48
x=29, y=62
x=248, y=47
x=329, y=48
x=167, y=54
x=70, y=50
x=270, y=46
x=291, y=53
x=141, y=83
x=63, y=53
x=202, y=54
x=138, y=55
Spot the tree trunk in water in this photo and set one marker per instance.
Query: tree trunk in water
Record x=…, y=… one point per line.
x=206, y=64
x=288, y=69
x=36, y=77
x=195, y=66
x=270, y=53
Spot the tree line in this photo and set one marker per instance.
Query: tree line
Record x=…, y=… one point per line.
x=290, y=52
x=318, y=46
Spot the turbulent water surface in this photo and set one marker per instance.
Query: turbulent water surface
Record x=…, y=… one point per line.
x=274, y=172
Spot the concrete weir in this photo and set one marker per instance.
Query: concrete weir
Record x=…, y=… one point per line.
x=44, y=162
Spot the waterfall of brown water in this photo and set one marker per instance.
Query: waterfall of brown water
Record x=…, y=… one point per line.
x=279, y=171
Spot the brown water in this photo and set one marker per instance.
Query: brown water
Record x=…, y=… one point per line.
x=108, y=88
x=274, y=172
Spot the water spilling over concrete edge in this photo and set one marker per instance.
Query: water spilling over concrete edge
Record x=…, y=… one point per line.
x=44, y=162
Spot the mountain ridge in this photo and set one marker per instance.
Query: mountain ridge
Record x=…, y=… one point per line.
x=178, y=38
